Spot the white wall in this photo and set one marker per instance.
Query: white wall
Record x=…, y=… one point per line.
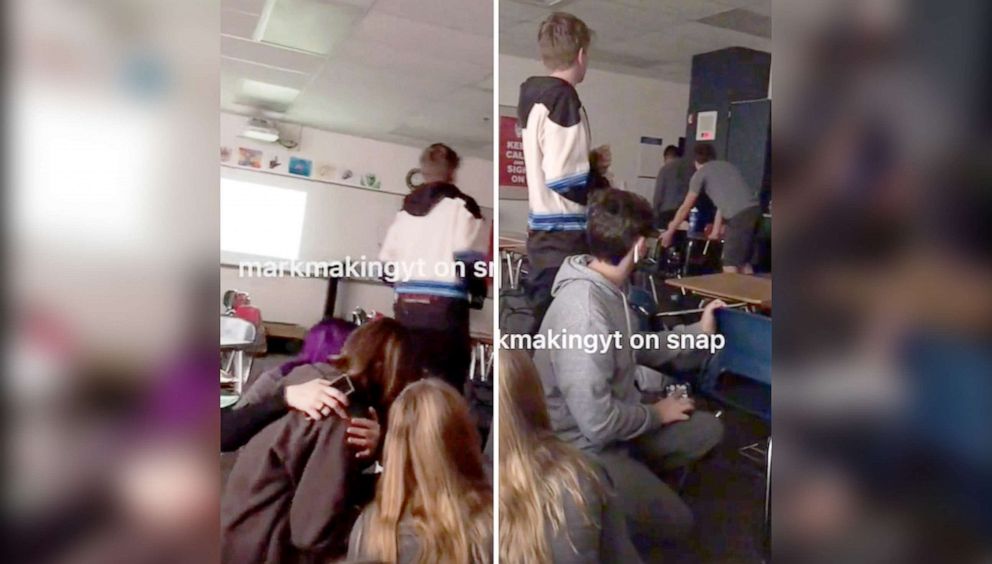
x=301, y=300
x=621, y=109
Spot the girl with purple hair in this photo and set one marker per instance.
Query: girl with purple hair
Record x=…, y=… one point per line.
x=268, y=398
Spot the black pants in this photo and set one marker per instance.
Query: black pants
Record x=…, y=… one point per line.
x=546, y=250
x=663, y=218
x=440, y=334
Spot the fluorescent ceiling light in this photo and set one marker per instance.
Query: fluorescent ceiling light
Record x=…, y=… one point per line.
x=312, y=26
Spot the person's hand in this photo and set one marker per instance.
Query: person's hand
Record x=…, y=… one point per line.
x=603, y=157
x=667, y=237
x=364, y=434
x=672, y=409
x=317, y=398
x=709, y=316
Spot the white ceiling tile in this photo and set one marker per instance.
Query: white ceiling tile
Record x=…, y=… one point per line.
x=432, y=40
x=250, y=6
x=681, y=42
x=471, y=100
x=338, y=75
x=271, y=75
x=615, y=20
x=261, y=53
x=353, y=110
x=511, y=12
x=405, y=62
x=473, y=16
x=237, y=23
x=683, y=9
x=763, y=7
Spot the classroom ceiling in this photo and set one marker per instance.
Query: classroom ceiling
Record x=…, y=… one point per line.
x=420, y=71
x=406, y=71
x=650, y=38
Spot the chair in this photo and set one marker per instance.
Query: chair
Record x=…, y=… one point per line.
x=747, y=354
x=236, y=335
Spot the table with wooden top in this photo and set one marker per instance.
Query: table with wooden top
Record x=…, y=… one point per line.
x=728, y=286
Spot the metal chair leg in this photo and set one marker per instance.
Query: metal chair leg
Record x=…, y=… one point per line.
x=688, y=255
x=768, y=495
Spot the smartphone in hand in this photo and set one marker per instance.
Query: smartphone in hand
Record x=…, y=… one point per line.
x=343, y=384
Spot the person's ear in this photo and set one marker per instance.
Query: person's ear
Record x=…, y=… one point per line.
x=582, y=57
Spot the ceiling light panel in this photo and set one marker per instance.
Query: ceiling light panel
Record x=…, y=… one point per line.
x=313, y=26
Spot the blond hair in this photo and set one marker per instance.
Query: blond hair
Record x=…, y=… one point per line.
x=536, y=469
x=560, y=38
x=433, y=473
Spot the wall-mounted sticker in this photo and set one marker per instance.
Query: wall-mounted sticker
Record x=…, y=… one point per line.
x=300, y=166
x=706, y=126
x=325, y=171
x=225, y=154
x=274, y=162
x=346, y=174
x=249, y=157
x=371, y=180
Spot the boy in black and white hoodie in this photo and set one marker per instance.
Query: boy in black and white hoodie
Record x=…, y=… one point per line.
x=437, y=229
x=561, y=169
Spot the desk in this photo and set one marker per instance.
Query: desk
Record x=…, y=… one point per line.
x=482, y=356
x=513, y=250
x=752, y=290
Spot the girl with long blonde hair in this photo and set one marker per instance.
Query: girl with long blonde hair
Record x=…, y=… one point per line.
x=433, y=502
x=555, y=502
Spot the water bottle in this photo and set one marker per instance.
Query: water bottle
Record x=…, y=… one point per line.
x=694, y=220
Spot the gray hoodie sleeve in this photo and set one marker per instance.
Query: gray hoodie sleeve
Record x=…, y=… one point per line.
x=584, y=380
x=654, y=358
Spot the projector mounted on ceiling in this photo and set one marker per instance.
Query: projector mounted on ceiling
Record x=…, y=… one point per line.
x=261, y=129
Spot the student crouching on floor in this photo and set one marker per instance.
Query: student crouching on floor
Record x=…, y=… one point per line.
x=556, y=504
x=436, y=228
x=594, y=400
x=297, y=486
x=434, y=500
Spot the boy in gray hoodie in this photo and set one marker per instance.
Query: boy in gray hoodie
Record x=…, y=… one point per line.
x=594, y=399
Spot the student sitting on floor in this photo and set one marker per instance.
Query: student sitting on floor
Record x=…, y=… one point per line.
x=294, y=492
x=592, y=398
x=434, y=501
x=556, y=504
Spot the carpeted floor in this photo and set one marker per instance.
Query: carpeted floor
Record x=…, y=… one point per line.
x=726, y=493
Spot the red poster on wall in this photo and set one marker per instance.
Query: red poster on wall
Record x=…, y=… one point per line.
x=511, y=154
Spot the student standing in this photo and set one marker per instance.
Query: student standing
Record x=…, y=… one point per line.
x=734, y=200
x=556, y=144
x=670, y=187
x=434, y=235
x=594, y=400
